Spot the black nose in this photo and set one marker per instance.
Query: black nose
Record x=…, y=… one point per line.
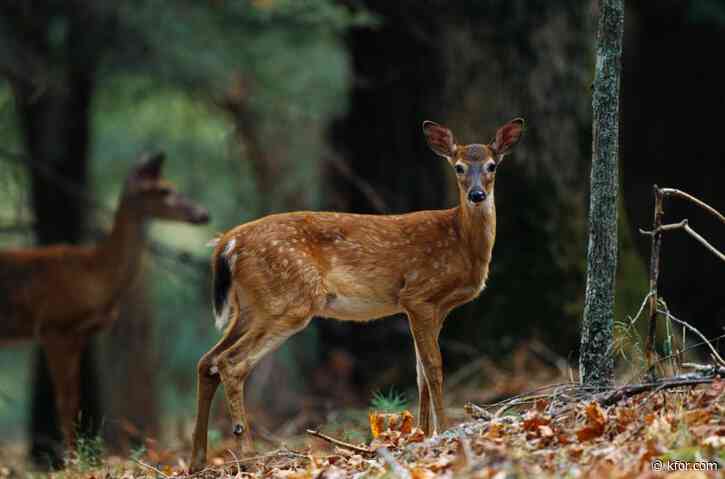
x=476, y=195
x=201, y=217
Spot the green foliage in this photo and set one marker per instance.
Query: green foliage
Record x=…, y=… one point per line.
x=138, y=452
x=390, y=402
x=88, y=453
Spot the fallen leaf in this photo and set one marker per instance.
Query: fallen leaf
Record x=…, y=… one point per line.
x=596, y=419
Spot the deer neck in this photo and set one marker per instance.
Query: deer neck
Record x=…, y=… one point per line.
x=477, y=226
x=120, y=254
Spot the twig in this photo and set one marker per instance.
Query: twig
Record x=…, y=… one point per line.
x=714, y=352
x=396, y=468
x=612, y=397
x=698, y=202
x=236, y=461
x=477, y=412
x=343, y=444
x=685, y=225
x=641, y=308
x=148, y=466
x=706, y=368
x=654, y=273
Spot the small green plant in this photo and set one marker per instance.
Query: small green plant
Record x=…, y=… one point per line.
x=89, y=452
x=390, y=402
x=138, y=452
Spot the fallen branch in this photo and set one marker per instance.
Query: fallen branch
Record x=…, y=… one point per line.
x=632, y=390
x=362, y=450
x=150, y=467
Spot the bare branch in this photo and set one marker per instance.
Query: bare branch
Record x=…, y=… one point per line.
x=684, y=225
x=696, y=331
x=362, y=450
x=698, y=202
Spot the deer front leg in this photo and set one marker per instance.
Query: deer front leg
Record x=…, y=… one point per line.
x=207, y=382
x=64, y=363
x=425, y=327
x=423, y=396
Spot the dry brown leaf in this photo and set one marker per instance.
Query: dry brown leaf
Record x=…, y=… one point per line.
x=541, y=404
x=495, y=431
x=406, y=424
x=377, y=422
x=596, y=419
x=546, y=431
x=697, y=417
x=532, y=421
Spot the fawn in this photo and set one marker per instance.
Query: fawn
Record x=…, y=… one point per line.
x=272, y=275
x=61, y=295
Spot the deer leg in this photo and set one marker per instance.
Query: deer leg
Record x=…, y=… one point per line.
x=423, y=396
x=425, y=327
x=64, y=363
x=236, y=362
x=207, y=382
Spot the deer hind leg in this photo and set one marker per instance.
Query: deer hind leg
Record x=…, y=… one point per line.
x=425, y=328
x=236, y=362
x=64, y=363
x=207, y=382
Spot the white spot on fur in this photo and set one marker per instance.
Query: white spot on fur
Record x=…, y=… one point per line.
x=213, y=370
x=222, y=318
x=229, y=247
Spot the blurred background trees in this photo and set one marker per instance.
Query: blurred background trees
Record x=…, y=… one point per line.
x=273, y=105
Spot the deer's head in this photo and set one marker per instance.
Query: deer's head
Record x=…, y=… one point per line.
x=153, y=197
x=475, y=165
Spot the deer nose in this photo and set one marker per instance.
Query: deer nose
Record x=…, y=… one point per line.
x=201, y=217
x=476, y=196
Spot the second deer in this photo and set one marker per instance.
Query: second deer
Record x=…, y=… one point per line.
x=61, y=295
x=273, y=275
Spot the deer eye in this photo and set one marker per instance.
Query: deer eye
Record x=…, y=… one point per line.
x=491, y=167
x=460, y=169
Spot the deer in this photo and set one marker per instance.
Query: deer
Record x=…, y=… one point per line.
x=271, y=276
x=61, y=295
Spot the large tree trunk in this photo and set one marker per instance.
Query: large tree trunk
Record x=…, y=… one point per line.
x=55, y=126
x=596, y=360
x=53, y=71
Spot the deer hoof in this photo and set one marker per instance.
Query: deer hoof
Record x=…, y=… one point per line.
x=238, y=429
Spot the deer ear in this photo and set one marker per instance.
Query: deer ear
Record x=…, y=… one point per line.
x=149, y=168
x=440, y=139
x=507, y=136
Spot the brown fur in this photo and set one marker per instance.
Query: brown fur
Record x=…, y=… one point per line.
x=287, y=268
x=61, y=295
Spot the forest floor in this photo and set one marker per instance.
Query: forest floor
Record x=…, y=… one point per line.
x=674, y=432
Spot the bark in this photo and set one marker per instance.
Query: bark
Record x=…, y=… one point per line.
x=596, y=361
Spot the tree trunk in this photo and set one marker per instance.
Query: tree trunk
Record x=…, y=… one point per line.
x=596, y=360
x=55, y=126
